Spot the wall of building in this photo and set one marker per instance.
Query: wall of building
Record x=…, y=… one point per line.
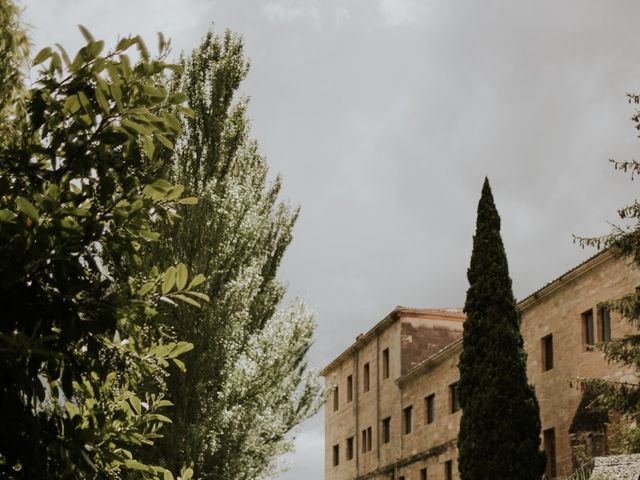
x=556, y=309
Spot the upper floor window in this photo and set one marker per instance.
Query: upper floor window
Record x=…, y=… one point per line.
x=587, y=328
x=349, y=388
x=365, y=377
x=385, y=363
x=604, y=321
x=336, y=399
x=547, y=352
x=336, y=455
x=423, y=474
x=349, y=448
x=454, y=397
x=386, y=430
x=408, y=419
x=430, y=408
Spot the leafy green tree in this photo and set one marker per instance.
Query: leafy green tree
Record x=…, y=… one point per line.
x=84, y=356
x=247, y=382
x=499, y=434
x=623, y=398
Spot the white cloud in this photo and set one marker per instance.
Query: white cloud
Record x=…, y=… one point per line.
x=290, y=10
x=398, y=12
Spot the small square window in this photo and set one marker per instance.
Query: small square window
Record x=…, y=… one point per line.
x=386, y=430
x=547, y=353
x=336, y=455
x=587, y=328
x=385, y=363
x=430, y=408
x=408, y=419
x=454, y=397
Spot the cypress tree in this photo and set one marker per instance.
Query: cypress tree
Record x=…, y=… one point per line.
x=500, y=427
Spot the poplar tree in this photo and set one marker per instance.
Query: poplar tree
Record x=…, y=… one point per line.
x=248, y=383
x=499, y=434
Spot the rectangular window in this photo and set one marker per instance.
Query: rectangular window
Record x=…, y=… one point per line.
x=401, y=478
x=549, y=443
x=349, y=388
x=430, y=408
x=587, y=328
x=386, y=430
x=448, y=470
x=408, y=419
x=366, y=440
x=385, y=363
x=547, y=353
x=336, y=455
x=350, y=448
x=454, y=397
x=423, y=474
x=604, y=320
x=336, y=399
x=365, y=379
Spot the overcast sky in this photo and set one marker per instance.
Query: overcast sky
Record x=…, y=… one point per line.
x=384, y=116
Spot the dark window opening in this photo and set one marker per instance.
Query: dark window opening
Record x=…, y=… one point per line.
x=385, y=363
x=349, y=388
x=587, y=328
x=605, y=324
x=547, y=353
x=336, y=399
x=386, y=430
x=408, y=419
x=549, y=442
x=430, y=408
x=365, y=380
x=454, y=397
x=423, y=474
x=448, y=470
x=349, y=448
x=336, y=455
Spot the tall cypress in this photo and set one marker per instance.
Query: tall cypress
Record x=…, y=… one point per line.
x=500, y=427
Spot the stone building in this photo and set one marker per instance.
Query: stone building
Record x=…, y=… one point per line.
x=394, y=414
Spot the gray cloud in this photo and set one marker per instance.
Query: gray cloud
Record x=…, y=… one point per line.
x=384, y=117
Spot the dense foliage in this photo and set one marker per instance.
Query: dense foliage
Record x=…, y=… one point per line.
x=83, y=356
x=500, y=427
x=623, y=397
x=247, y=383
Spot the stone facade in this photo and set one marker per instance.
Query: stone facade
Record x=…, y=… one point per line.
x=393, y=413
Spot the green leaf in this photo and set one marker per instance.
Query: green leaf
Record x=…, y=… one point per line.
x=136, y=126
x=202, y=296
x=181, y=276
x=168, y=475
x=165, y=141
x=186, y=474
x=42, y=56
x=146, y=288
x=186, y=299
x=197, y=280
x=168, y=280
x=102, y=101
x=7, y=215
x=188, y=201
x=180, y=364
x=71, y=104
x=86, y=34
x=26, y=207
x=148, y=146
